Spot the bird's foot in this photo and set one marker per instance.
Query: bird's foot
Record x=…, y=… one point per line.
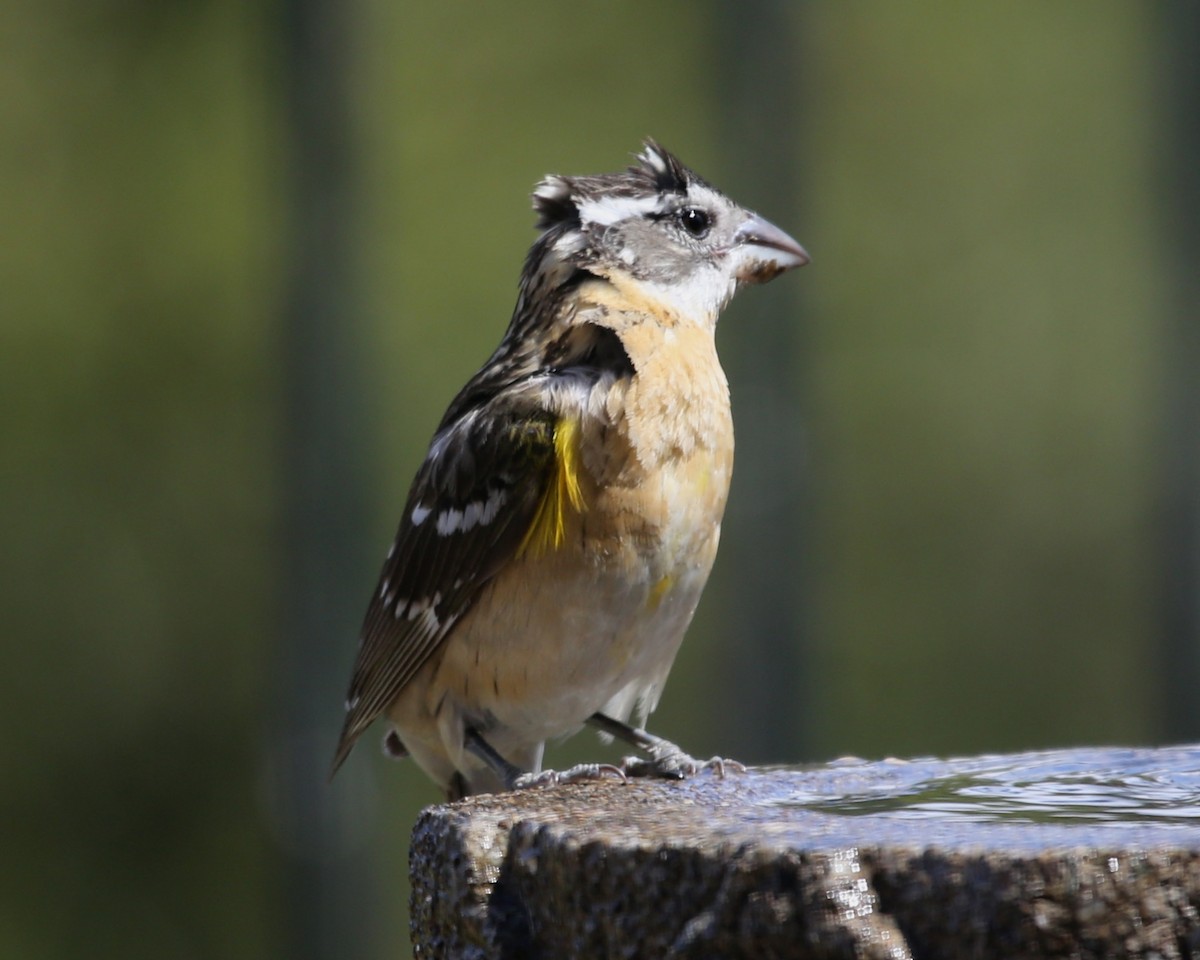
x=668, y=762
x=579, y=773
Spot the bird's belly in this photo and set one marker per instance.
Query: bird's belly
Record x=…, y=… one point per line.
x=543, y=667
x=596, y=623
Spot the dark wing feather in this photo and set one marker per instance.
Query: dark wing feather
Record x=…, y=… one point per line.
x=468, y=510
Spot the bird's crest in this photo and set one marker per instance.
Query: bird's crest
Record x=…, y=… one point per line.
x=663, y=167
x=604, y=199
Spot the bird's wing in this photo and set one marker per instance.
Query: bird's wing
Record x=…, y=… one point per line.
x=470, y=508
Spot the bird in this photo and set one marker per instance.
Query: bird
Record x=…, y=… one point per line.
x=558, y=535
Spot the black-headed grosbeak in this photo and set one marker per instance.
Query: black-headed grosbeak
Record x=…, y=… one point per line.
x=558, y=535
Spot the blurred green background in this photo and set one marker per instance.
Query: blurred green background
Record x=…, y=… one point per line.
x=249, y=251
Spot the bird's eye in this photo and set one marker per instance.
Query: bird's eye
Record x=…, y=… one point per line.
x=695, y=221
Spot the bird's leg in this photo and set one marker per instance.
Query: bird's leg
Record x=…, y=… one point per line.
x=666, y=759
x=514, y=778
x=508, y=773
x=393, y=746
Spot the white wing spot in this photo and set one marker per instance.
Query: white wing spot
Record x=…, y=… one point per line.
x=448, y=522
x=495, y=501
x=473, y=514
x=383, y=588
x=429, y=622
x=351, y=703
x=423, y=608
x=391, y=550
x=420, y=512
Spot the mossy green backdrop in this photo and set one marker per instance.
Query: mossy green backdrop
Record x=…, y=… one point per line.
x=983, y=337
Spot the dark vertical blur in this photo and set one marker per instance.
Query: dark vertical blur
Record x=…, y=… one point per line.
x=328, y=897
x=758, y=90
x=1180, y=515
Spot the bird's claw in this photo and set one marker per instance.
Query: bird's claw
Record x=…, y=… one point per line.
x=577, y=774
x=677, y=765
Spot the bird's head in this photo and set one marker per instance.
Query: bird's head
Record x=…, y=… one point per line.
x=661, y=230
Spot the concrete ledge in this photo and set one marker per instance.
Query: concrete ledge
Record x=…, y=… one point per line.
x=1091, y=853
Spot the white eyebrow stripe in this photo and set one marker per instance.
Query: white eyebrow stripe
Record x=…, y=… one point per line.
x=606, y=211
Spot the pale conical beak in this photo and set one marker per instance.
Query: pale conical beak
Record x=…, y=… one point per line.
x=764, y=251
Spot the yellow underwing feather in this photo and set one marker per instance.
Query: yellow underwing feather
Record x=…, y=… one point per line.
x=660, y=590
x=563, y=492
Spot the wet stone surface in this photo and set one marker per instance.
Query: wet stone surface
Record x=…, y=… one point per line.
x=1079, y=853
